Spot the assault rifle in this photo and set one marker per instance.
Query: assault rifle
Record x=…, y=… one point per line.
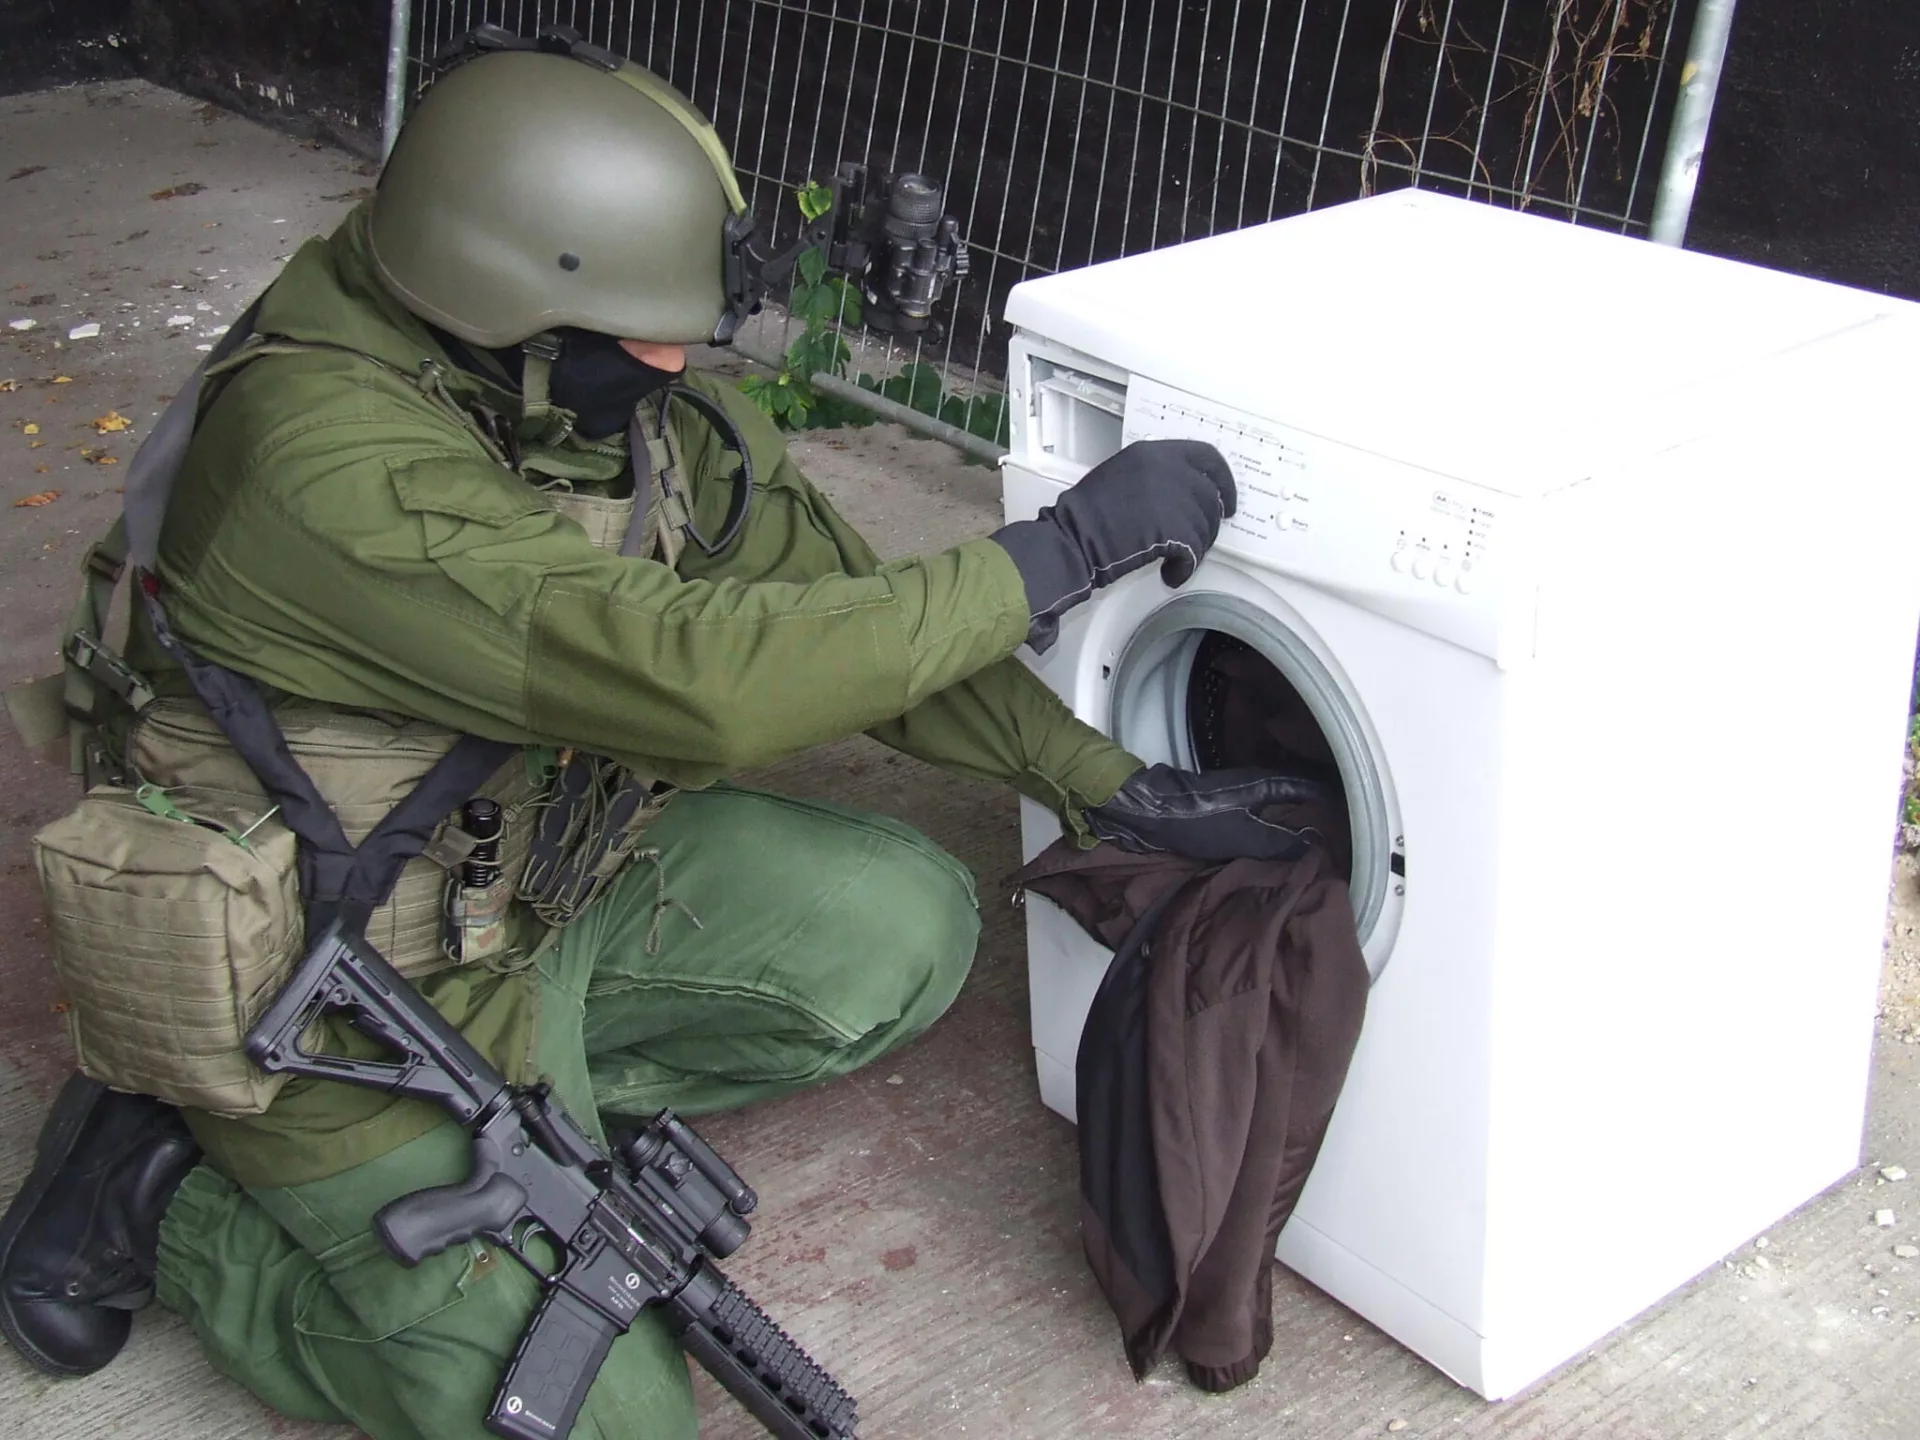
x=633, y=1230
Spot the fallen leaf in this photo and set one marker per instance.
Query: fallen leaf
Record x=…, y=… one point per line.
x=43, y=469
x=26, y=170
x=7, y=387
x=63, y=379
x=59, y=1007
x=110, y=422
x=37, y=445
x=104, y=459
x=191, y=187
x=27, y=427
x=45, y=497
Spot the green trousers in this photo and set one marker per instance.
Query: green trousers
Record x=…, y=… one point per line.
x=823, y=939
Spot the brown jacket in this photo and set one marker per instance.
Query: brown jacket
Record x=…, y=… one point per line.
x=1207, y=1073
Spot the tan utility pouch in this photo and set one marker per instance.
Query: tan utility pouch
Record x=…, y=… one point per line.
x=175, y=922
x=171, y=935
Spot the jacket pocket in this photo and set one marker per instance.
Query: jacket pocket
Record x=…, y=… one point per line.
x=464, y=488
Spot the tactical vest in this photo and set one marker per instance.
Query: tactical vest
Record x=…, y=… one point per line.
x=172, y=887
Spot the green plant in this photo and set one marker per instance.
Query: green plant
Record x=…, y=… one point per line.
x=821, y=303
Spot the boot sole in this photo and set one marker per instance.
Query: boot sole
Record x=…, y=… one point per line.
x=68, y=1117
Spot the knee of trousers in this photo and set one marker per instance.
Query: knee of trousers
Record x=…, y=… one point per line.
x=928, y=928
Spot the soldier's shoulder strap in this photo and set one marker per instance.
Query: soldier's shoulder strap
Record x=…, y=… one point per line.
x=94, y=680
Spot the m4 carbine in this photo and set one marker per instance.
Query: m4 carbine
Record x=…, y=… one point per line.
x=637, y=1229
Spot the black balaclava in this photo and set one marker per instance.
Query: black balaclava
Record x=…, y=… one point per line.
x=593, y=377
x=600, y=382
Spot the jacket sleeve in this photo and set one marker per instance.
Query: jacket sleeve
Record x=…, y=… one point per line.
x=1001, y=723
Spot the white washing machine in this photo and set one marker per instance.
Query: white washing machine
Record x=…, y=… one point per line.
x=1593, y=564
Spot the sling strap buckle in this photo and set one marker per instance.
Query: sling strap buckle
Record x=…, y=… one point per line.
x=119, y=679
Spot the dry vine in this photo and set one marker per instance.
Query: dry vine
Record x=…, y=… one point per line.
x=1568, y=96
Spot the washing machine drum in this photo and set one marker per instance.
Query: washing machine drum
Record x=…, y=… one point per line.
x=1241, y=711
x=1214, y=681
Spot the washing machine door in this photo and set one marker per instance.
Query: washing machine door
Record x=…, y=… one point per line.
x=1156, y=669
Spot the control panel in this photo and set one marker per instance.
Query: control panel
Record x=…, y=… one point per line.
x=1301, y=496
x=1424, y=548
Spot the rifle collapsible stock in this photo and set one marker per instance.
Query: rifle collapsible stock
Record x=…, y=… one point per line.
x=638, y=1228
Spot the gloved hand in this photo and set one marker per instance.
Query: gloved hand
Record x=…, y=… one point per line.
x=1211, y=815
x=1155, y=500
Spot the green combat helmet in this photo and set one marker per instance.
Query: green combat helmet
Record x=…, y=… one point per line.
x=551, y=183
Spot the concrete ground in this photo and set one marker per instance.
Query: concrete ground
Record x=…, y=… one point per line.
x=918, y=1223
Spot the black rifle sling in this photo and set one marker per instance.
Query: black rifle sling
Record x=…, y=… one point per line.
x=337, y=880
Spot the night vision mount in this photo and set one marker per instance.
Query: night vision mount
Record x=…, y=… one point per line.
x=899, y=243
x=888, y=234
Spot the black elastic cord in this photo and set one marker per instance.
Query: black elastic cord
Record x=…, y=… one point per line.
x=731, y=439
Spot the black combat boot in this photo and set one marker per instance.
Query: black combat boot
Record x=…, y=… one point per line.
x=79, y=1243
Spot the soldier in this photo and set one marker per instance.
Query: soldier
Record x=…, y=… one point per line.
x=414, y=492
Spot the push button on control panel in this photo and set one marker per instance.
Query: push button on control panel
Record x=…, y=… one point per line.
x=1444, y=571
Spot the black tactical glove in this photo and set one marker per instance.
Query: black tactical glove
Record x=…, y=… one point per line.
x=1155, y=500
x=1211, y=815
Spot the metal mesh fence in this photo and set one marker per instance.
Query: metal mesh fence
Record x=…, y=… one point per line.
x=1068, y=133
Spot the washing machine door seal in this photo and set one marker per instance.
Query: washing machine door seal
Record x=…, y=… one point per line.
x=1148, y=714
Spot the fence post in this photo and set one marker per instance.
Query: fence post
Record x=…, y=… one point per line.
x=399, y=27
x=1692, y=117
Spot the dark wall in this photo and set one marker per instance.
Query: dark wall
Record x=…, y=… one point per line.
x=313, y=66
x=49, y=42
x=1813, y=162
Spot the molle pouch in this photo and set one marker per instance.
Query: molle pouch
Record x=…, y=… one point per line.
x=176, y=918
x=477, y=931
x=479, y=892
x=606, y=519
x=588, y=829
